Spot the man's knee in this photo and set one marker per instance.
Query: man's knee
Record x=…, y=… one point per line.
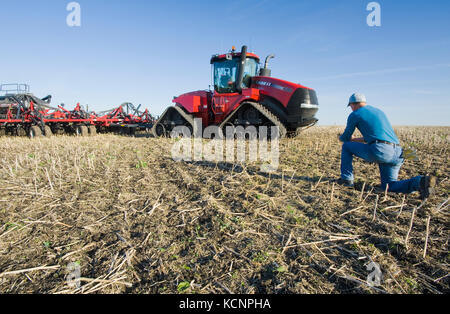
x=346, y=146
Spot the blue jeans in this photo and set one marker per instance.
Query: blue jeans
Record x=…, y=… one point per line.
x=389, y=159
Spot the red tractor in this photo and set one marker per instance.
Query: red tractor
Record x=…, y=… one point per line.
x=243, y=95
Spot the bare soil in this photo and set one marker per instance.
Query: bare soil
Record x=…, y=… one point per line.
x=135, y=221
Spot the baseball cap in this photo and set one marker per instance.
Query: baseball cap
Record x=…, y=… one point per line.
x=356, y=98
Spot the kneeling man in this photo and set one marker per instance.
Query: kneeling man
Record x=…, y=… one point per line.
x=379, y=145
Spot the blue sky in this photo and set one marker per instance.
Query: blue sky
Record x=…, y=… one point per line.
x=146, y=52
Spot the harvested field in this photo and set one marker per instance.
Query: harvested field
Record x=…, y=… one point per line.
x=135, y=221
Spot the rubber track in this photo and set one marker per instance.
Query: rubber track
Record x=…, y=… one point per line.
x=186, y=116
x=263, y=110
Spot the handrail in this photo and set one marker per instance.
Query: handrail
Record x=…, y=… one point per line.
x=15, y=88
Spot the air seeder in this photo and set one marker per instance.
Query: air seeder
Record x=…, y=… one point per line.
x=22, y=114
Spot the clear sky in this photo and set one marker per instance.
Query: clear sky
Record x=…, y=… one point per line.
x=146, y=52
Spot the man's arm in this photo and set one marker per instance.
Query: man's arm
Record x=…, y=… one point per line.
x=349, y=130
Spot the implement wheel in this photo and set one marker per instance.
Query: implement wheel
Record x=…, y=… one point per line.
x=81, y=130
x=34, y=132
x=124, y=131
x=48, y=131
x=21, y=131
x=92, y=130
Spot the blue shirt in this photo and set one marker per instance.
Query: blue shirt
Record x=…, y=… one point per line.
x=373, y=125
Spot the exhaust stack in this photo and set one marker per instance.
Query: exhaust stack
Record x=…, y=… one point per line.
x=240, y=77
x=266, y=71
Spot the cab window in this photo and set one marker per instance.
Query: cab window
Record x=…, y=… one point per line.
x=225, y=73
x=250, y=70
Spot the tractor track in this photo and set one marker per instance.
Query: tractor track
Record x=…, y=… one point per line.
x=190, y=118
x=264, y=111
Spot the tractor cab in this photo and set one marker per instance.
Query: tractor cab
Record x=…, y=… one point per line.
x=226, y=71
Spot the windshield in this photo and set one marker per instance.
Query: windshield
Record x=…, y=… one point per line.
x=225, y=74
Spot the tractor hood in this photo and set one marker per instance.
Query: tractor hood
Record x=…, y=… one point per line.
x=276, y=88
x=299, y=102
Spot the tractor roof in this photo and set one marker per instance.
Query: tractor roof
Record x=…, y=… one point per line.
x=216, y=58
